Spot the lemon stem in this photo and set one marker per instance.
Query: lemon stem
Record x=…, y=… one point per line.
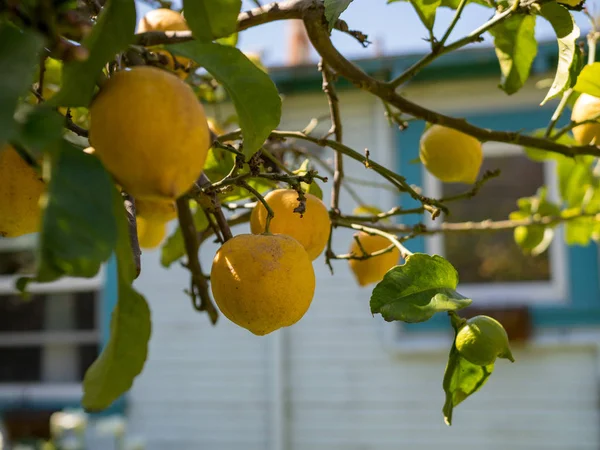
x=404, y=252
x=261, y=199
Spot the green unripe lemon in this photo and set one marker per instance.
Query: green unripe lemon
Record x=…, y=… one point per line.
x=483, y=339
x=529, y=238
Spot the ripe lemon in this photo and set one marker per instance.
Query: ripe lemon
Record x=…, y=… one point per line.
x=150, y=131
x=451, y=156
x=586, y=107
x=156, y=211
x=150, y=234
x=373, y=269
x=152, y=218
x=20, y=190
x=163, y=19
x=483, y=339
x=262, y=282
x=311, y=228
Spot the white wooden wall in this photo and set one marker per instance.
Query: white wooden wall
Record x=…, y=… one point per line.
x=332, y=381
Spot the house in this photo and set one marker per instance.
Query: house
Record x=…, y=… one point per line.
x=341, y=378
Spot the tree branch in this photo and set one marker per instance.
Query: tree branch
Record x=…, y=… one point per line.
x=291, y=9
x=190, y=239
x=336, y=130
x=316, y=28
x=129, y=203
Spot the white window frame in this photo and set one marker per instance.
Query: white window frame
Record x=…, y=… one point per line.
x=44, y=391
x=550, y=292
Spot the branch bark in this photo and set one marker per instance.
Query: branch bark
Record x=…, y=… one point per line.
x=190, y=239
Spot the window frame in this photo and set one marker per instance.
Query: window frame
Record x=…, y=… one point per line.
x=551, y=292
x=49, y=393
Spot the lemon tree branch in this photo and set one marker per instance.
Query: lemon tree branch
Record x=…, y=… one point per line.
x=200, y=286
x=316, y=27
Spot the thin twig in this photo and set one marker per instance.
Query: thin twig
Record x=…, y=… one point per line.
x=260, y=198
x=216, y=209
x=336, y=131
x=474, y=36
x=404, y=252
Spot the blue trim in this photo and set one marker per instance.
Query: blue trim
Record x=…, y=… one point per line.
x=583, y=302
x=118, y=407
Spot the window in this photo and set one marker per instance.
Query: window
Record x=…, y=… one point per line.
x=491, y=266
x=47, y=341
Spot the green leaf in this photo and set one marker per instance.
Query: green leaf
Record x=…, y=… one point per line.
x=569, y=55
x=19, y=53
x=210, y=19
x=231, y=40
x=574, y=178
x=333, y=10
x=426, y=11
x=124, y=356
x=588, y=81
x=461, y=379
x=218, y=163
x=174, y=247
x=78, y=231
x=579, y=231
x=453, y=4
x=113, y=31
x=253, y=93
x=541, y=155
x=42, y=127
x=516, y=47
x=415, y=291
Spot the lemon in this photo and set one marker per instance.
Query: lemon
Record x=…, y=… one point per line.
x=483, y=339
x=262, y=282
x=163, y=19
x=150, y=132
x=586, y=107
x=20, y=190
x=372, y=270
x=450, y=155
x=156, y=211
x=152, y=218
x=530, y=237
x=311, y=228
x=150, y=234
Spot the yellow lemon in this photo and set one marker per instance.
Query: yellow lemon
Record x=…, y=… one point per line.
x=150, y=132
x=163, y=19
x=311, y=228
x=262, y=282
x=156, y=211
x=150, y=234
x=483, y=339
x=586, y=107
x=20, y=190
x=372, y=270
x=450, y=155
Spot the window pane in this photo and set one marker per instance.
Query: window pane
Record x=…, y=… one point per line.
x=85, y=310
x=20, y=364
x=494, y=257
x=56, y=312
x=19, y=315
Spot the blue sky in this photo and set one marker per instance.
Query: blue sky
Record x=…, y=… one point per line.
x=395, y=26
